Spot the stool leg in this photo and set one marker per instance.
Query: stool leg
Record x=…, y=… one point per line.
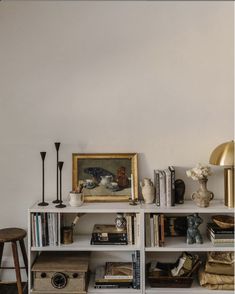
x=24, y=254
x=17, y=267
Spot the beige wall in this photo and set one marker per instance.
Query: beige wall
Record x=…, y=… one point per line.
x=149, y=77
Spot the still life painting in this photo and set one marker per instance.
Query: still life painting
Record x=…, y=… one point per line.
x=106, y=177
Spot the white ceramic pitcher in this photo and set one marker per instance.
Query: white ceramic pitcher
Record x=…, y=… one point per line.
x=75, y=198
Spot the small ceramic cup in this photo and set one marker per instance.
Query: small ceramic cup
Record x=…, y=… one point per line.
x=75, y=198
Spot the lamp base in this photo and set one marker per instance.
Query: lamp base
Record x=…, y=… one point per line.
x=229, y=187
x=43, y=203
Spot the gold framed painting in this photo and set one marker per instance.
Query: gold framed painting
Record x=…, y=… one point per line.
x=106, y=177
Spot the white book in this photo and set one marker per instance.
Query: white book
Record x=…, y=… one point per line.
x=32, y=231
x=168, y=187
x=162, y=182
x=54, y=228
x=135, y=230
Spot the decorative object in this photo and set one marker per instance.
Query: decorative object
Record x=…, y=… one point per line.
x=75, y=199
x=147, y=190
x=106, y=177
x=202, y=196
x=179, y=191
x=120, y=222
x=60, y=205
x=193, y=233
x=57, y=147
x=224, y=221
x=223, y=155
x=60, y=272
x=43, y=203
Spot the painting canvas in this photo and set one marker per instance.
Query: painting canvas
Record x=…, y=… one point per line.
x=106, y=177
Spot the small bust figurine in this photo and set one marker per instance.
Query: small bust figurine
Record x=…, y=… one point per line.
x=193, y=233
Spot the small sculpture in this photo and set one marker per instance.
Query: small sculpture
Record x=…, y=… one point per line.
x=193, y=233
x=179, y=191
x=148, y=190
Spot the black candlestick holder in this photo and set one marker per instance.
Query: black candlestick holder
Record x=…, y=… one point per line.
x=60, y=166
x=43, y=203
x=57, y=147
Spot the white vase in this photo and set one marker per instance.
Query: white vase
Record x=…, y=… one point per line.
x=148, y=190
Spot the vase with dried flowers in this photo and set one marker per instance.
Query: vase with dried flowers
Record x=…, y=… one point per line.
x=200, y=173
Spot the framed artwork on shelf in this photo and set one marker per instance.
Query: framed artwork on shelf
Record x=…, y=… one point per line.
x=106, y=177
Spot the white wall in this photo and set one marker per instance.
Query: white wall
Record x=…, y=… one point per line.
x=149, y=77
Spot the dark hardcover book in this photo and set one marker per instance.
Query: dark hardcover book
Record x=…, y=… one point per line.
x=172, y=170
x=108, y=243
x=217, y=230
x=220, y=236
x=175, y=226
x=110, y=238
x=112, y=285
x=134, y=283
x=133, y=228
x=157, y=187
x=137, y=269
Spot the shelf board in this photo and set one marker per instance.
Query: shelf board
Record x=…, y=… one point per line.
x=113, y=207
x=93, y=290
x=82, y=243
x=174, y=244
x=196, y=288
x=216, y=206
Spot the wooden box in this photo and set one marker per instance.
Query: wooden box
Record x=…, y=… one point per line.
x=61, y=272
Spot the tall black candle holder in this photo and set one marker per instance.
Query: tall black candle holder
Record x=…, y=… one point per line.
x=60, y=166
x=43, y=203
x=57, y=147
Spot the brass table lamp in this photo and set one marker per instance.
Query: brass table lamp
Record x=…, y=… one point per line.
x=223, y=155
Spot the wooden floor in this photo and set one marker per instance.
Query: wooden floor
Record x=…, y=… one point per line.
x=9, y=289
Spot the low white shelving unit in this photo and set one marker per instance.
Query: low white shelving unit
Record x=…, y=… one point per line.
x=121, y=252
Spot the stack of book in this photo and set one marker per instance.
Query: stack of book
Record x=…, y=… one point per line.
x=114, y=275
x=44, y=229
x=119, y=274
x=164, y=181
x=108, y=235
x=154, y=232
x=220, y=237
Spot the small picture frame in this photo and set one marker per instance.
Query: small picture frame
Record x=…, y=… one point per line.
x=106, y=177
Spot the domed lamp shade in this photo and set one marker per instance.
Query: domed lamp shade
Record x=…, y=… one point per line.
x=223, y=155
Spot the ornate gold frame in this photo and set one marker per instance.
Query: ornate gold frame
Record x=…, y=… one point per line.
x=111, y=198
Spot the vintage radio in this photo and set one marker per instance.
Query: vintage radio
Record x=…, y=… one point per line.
x=61, y=272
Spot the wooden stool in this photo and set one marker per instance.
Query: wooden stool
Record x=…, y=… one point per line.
x=13, y=235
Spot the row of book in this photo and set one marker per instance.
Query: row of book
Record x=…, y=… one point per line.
x=119, y=274
x=110, y=235
x=219, y=236
x=154, y=230
x=44, y=229
x=164, y=182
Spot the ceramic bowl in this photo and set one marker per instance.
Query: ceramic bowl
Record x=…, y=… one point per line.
x=224, y=221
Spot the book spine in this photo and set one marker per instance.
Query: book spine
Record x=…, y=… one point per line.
x=109, y=277
x=162, y=180
x=40, y=229
x=157, y=187
x=130, y=241
x=151, y=231
x=134, y=283
x=168, y=187
x=32, y=231
x=162, y=230
x=147, y=231
x=36, y=230
x=133, y=228
x=220, y=236
x=172, y=171
x=138, y=270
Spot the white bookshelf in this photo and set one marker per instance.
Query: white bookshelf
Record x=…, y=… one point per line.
x=172, y=245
